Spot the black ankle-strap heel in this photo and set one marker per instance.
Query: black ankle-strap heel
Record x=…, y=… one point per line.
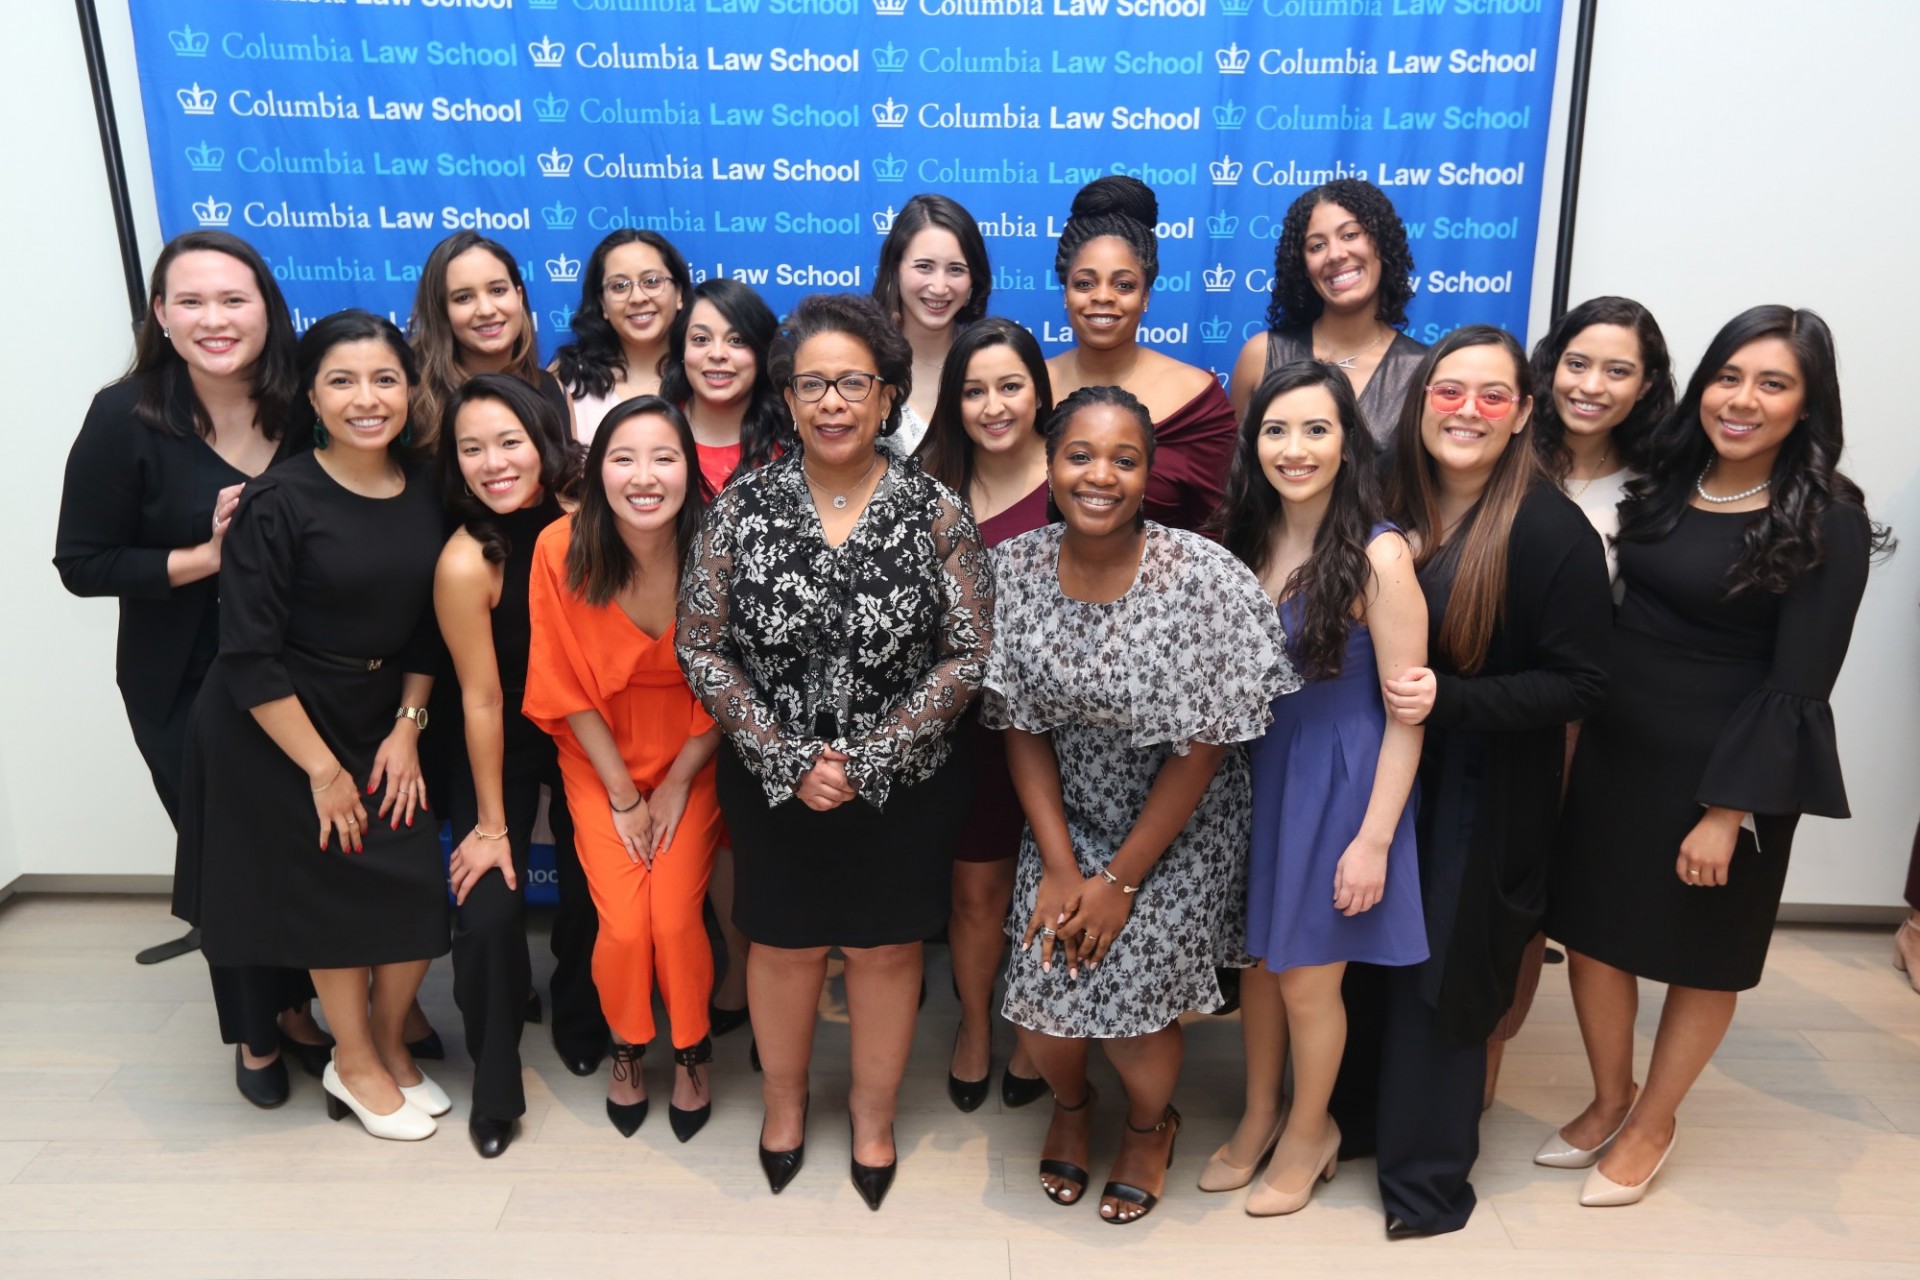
x=1073, y=1175
x=686, y=1123
x=1126, y=1192
x=627, y=1117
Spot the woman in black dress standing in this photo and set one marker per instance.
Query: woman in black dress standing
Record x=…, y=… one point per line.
x=1518, y=616
x=151, y=487
x=317, y=699
x=1744, y=553
x=834, y=620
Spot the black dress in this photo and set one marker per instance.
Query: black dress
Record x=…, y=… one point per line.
x=325, y=595
x=1386, y=390
x=1714, y=701
x=874, y=647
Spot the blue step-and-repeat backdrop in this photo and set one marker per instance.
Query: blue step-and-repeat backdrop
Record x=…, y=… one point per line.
x=772, y=140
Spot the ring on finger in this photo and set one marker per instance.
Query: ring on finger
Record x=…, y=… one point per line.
x=1047, y=933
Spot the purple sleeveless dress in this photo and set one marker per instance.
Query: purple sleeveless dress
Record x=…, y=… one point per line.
x=1312, y=779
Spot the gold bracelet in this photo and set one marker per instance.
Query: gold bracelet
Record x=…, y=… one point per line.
x=484, y=835
x=329, y=782
x=1111, y=878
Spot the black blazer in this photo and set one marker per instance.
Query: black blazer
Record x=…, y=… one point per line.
x=133, y=494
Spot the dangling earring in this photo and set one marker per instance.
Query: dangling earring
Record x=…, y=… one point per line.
x=319, y=435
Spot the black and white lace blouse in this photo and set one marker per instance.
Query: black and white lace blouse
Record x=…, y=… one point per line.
x=873, y=647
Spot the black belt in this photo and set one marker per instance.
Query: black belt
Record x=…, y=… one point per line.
x=340, y=660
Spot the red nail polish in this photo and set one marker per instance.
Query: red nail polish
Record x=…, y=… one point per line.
x=369, y=788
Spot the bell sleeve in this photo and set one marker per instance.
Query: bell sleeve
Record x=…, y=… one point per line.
x=95, y=547
x=920, y=721
x=1778, y=753
x=256, y=594
x=775, y=754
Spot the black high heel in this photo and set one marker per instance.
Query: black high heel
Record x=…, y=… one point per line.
x=1073, y=1175
x=873, y=1180
x=313, y=1058
x=627, y=1117
x=689, y=1122
x=781, y=1166
x=967, y=1094
x=721, y=1021
x=428, y=1047
x=532, y=1012
x=1126, y=1191
x=1018, y=1091
x=753, y=1054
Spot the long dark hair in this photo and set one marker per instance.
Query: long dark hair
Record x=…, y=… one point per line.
x=766, y=426
x=1337, y=572
x=1784, y=541
x=947, y=452
x=559, y=461
x=1479, y=548
x=1294, y=303
x=167, y=402
x=593, y=361
x=1656, y=366
x=1085, y=398
x=436, y=345
x=354, y=325
x=919, y=213
x=599, y=566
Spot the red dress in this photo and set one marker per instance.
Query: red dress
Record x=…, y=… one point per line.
x=1193, y=446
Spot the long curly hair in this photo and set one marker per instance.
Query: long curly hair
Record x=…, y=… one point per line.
x=1656, y=367
x=437, y=347
x=1118, y=206
x=766, y=426
x=595, y=360
x=1337, y=573
x=1784, y=541
x=947, y=452
x=1294, y=304
x=559, y=454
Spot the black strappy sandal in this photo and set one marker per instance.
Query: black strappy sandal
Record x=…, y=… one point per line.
x=1126, y=1192
x=689, y=1122
x=1073, y=1175
x=627, y=1116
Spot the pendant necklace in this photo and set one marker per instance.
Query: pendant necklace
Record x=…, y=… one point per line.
x=839, y=500
x=1347, y=362
x=1598, y=469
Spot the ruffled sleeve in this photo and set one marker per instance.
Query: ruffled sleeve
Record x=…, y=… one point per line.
x=1008, y=699
x=256, y=594
x=1778, y=753
x=1212, y=653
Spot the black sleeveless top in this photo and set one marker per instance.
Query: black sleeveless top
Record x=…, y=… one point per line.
x=512, y=631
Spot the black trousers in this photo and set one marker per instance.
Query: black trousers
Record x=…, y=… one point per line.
x=492, y=972
x=1410, y=1096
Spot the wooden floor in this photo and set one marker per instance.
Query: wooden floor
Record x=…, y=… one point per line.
x=124, y=1150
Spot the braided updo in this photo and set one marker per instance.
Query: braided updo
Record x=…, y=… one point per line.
x=1118, y=206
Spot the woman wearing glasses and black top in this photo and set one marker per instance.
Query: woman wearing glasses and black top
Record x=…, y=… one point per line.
x=1518, y=615
x=834, y=620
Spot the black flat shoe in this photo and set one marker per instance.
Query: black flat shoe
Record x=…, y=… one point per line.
x=428, y=1047
x=489, y=1137
x=873, y=1180
x=1073, y=1175
x=582, y=1062
x=627, y=1117
x=1126, y=1192
x=313, y=1058
x=533, y=1012
x=1018, y=1091
x=781, y=1166
x=723, y=1021
x=968, y=1094
x=265, y=1087
x=689, y=1122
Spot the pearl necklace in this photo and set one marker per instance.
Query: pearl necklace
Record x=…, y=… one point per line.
x=1700, y=487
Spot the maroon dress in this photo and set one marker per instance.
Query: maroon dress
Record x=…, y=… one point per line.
x=1193, y=447
x=993, y=825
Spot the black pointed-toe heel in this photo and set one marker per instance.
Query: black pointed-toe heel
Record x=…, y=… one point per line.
x=265, y=1087
x=872, y=1181
x=1126, y=1192
x=313, y=1058
x=627, y=1117
x=1018, y=1091
x=722, y=1021
x=689, y=1122
x=967, y=1094
x=781, y=1166
x=428, y=1048
x=1073, y=1175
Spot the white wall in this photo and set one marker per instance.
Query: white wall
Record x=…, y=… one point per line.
x=1737, y=151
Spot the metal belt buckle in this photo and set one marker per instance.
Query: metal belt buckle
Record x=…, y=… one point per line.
x=373, y=664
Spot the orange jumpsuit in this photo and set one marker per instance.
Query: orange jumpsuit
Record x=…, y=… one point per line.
x=584, y=658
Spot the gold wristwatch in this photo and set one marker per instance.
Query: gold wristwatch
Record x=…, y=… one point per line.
x=416, y=714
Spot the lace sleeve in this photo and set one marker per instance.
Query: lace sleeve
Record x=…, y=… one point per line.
x=712, y=665
x=923, y=717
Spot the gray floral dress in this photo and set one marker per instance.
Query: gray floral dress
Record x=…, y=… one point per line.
x=1193, y=652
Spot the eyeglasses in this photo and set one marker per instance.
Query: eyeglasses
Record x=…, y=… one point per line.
x=1450, y=397
x=853, y=387
x=651, y=285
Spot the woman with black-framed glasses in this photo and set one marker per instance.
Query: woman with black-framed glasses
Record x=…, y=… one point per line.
x=834, y=620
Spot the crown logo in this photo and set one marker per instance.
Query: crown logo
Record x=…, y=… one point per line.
x=547, y=53
x=1232, y=60
x=543, y=4
x=889, y=8
x=883, y=222
x=1232, y=8
x=1218, y=278
x=1222, y=225
x=188, y=43
x=205, y=158
x=213, y=212
x=889, y=114
x=890, y=57
x=555, y=163
x=563, y=270
x=560, y=217
x=561, y=318
x=197, y=101
x=1229, y=115
x=889, y=168
x=1226, y=171
x=551, y=109
x=1214, y=329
